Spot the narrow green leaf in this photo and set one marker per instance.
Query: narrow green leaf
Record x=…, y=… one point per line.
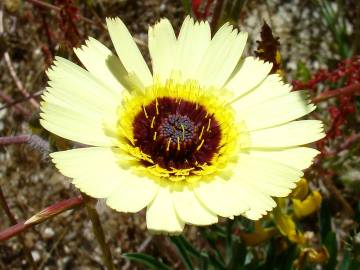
x=147, y=260
x=182, y=252
x=325, y=220
x=331, y=245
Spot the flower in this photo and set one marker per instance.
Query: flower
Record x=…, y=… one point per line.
x=206, y=134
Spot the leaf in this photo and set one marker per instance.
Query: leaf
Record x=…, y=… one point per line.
x=325, y=220
x=330, y=243
x=147, y=260
x=182, y=252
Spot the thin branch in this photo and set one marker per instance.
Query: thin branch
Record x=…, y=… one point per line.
x=58, y=9
x=348, y=90
x=100, y=24
x=32, y=140
x=326, y=179
x=12, y=71
x=13, y=221
x=41, y=217
x=99, y=232
x=19, y=139
x=10, y=104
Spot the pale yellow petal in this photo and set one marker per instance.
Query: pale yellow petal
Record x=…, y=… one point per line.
x=189, y=208
x=259, y=202
x=134, y=193
x=271, y=87
x=95, y=170
x=72, y=125
x=275, y=111
x=162, y=45
x=288, y=135
x=298, y=157
x=251, y=72
x=193, y=41
x=273, y=179
x=221, y=57
x=220, y=197
x=161, y=215
x=127, y=51
x=209, y=72
x=102, y=63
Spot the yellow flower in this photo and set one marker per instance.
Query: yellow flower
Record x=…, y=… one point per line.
x=205, y=134
x=308, y=206
x=287, y=227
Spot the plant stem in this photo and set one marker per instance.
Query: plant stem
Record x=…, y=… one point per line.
x=98, y=231
x=13, y=221
x=40, y=217
x=348, y=90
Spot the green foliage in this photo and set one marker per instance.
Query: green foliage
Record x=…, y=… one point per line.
x=147, y=260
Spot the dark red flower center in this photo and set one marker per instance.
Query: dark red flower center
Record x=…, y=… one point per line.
x=177, y=134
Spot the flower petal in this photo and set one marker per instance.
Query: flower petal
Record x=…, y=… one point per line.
x=95, y=170
x=193, y=41
x=102, y=63
x=220, y=197
x=274, y=178
x=276, y=111
x=133, y=194
x=221, y=56
x=299, y=157
x=189, y=208
x=162, y=45
x=288, y=135
x=161, y=214
x=127, y=51
x=71, y=107
x=252, y=71
x=269, y=88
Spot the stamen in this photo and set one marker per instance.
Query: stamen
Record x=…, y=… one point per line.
x=152, y=122
x=201, y=133
x=208, y=128
x=200, y=145
x=168, y=145
x=178, y=144
x=146, y=115
x=157, y=106
x=154, y=137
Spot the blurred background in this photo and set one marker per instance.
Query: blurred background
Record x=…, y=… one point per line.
x=314, y=45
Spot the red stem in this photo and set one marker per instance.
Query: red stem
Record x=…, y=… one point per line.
x=41, y=217
x=348, y=90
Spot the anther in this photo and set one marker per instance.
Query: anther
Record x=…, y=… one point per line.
x=168, y=145
x=152, y=122
x=146, y=115
x=178, y=144
x=201, y=133
x=154, y=137
x=208, y=128
x=183, y=132
x=200, y=145
x=157, y=106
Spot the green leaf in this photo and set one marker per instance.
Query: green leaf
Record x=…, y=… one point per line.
x=330, y=243
x=187, y=6
x=182, y=252
x=325, y=220
x=147, y=260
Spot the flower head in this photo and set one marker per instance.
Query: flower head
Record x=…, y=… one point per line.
x=205, y=134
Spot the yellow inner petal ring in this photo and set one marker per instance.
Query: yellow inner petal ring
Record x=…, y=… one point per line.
x=179, y=131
